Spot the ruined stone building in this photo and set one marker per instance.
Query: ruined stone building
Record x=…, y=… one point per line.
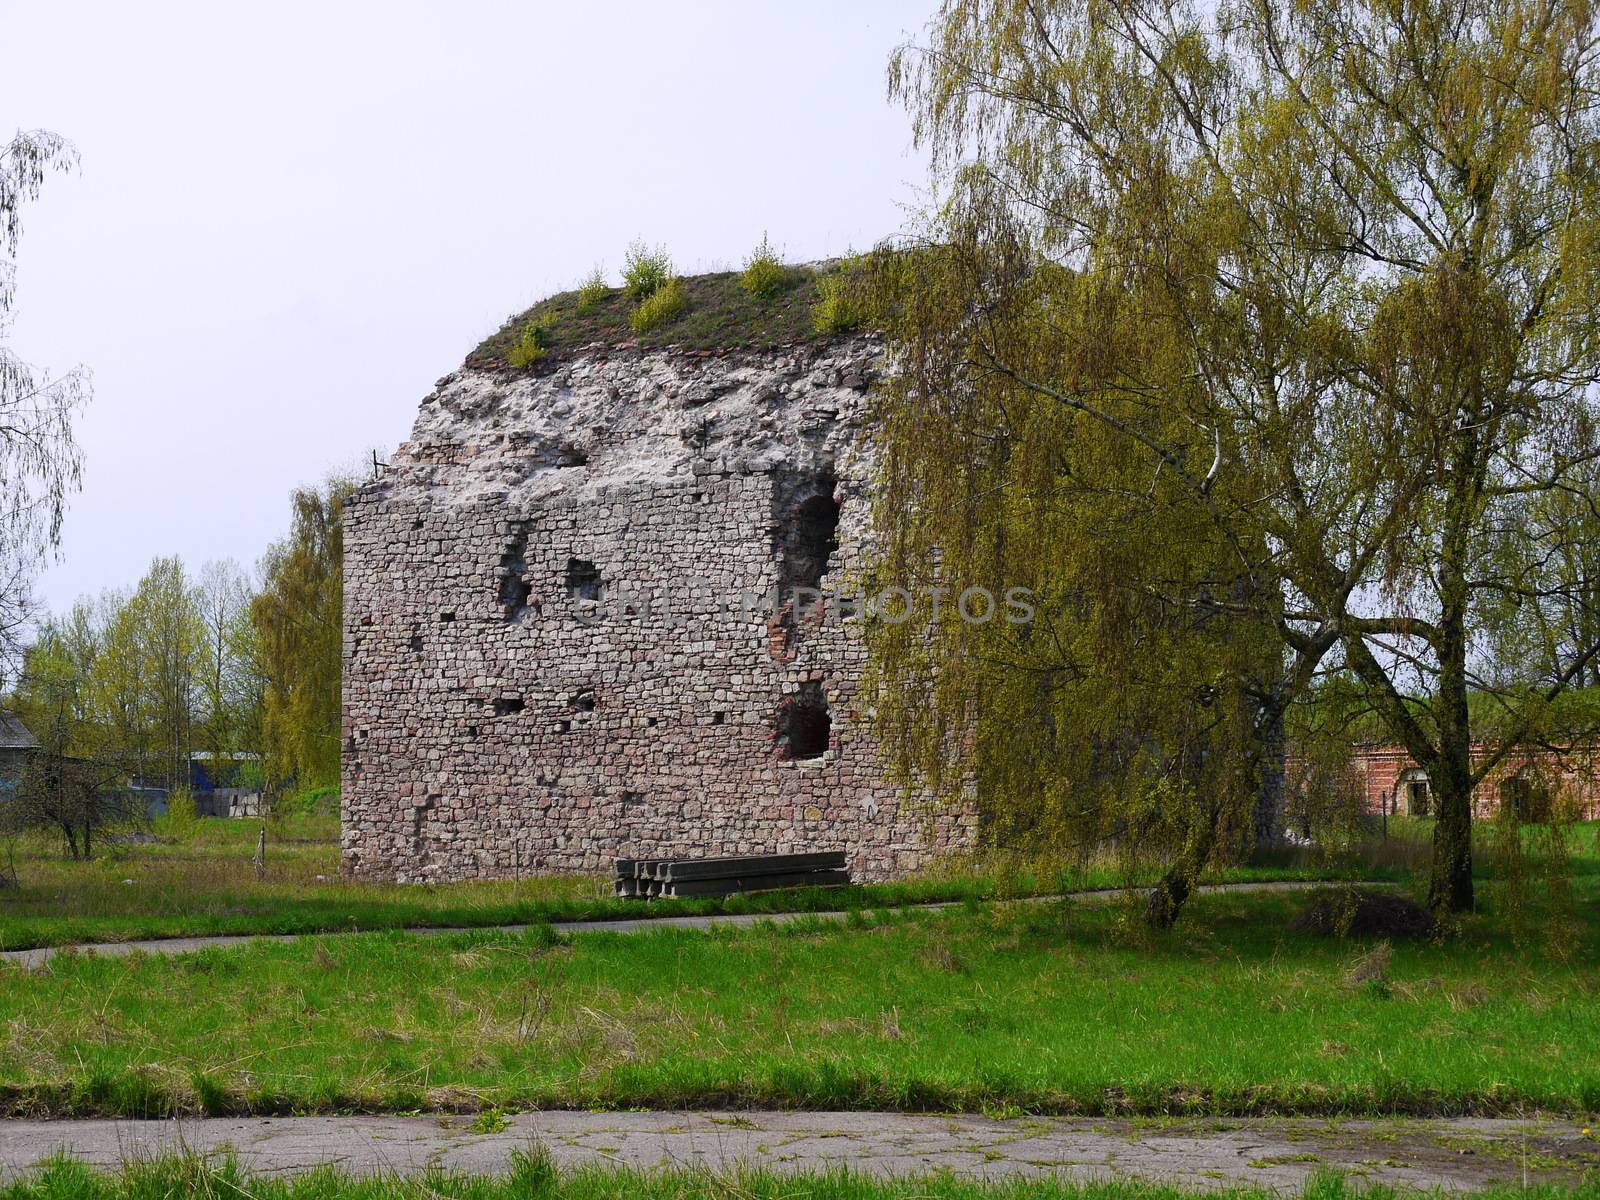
x=557, y=644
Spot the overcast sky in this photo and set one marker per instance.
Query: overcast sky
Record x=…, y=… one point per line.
x=292, y=218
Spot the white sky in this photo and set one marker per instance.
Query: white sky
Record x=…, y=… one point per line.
x=292, y=218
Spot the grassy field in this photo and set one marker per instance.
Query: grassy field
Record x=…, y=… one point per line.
x=531, y=1177
x=1054, y=1007
x=201, y=881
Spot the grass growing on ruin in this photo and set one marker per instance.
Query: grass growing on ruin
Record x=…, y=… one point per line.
x=531, y=1176
x=202, y=882
x=717, y=314
x=1045, y=1007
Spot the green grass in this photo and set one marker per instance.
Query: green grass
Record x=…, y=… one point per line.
x=718, y=314
x=532, y=1177
x=203, y=883
x=1066, y=1008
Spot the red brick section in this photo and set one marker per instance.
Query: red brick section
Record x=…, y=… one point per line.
x=1386, y=774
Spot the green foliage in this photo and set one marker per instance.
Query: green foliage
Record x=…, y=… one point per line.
x=179, y=820
x=645, y=271
x=840, y=306
x=490, y=1120
x=1119, y=715
x=592, y=290
x=532, y=346
x=1533, y=863
x=763, y=275
x=299, y=624
x=1348, y=339
x=664, y=304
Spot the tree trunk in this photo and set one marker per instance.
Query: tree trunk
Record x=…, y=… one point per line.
x=1450, y=775
x=1167, y=898
x=1450, y=889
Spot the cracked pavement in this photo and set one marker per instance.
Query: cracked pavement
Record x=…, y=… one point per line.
x=1455, y=1154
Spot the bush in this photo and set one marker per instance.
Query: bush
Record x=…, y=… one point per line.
x=663, y=305
x=763, y=275
x=592, y=290
x=1364, y=912
x=180, y=819
x=838, y=309
x=531, y=347
x=645, y=271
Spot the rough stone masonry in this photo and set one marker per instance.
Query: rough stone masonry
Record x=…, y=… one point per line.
x=572, y=633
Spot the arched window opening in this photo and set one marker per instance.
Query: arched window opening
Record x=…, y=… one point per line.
x=805, y=727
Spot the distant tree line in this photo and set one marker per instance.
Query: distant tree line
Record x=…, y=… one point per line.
x=132, y=683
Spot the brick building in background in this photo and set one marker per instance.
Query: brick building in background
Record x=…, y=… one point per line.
x=1391, y=782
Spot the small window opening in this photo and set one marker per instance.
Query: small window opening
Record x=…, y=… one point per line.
x=804, y=726
x=447, y=616
x=584, y=701
x=506, y=705
x=563, y=726
x=472, y=731
x=416, y=643
x=583, y=580
x=719, y=718
x=652, y=722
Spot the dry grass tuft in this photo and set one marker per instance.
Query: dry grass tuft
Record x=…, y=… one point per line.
x=1371, y=967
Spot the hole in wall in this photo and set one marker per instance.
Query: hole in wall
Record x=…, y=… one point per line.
x=652, y=722
x=574, y=458
x=563, y=726
x=514, y=586
x=804, y=724
x=805, y=526
x=447, y=616
x=814, y=539
x=719, y=718
x=632, y=801
x=583, y=701
x=505, y=706
x=583, y=580
x=416, y=643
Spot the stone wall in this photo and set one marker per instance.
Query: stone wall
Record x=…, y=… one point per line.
x=556, y=650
